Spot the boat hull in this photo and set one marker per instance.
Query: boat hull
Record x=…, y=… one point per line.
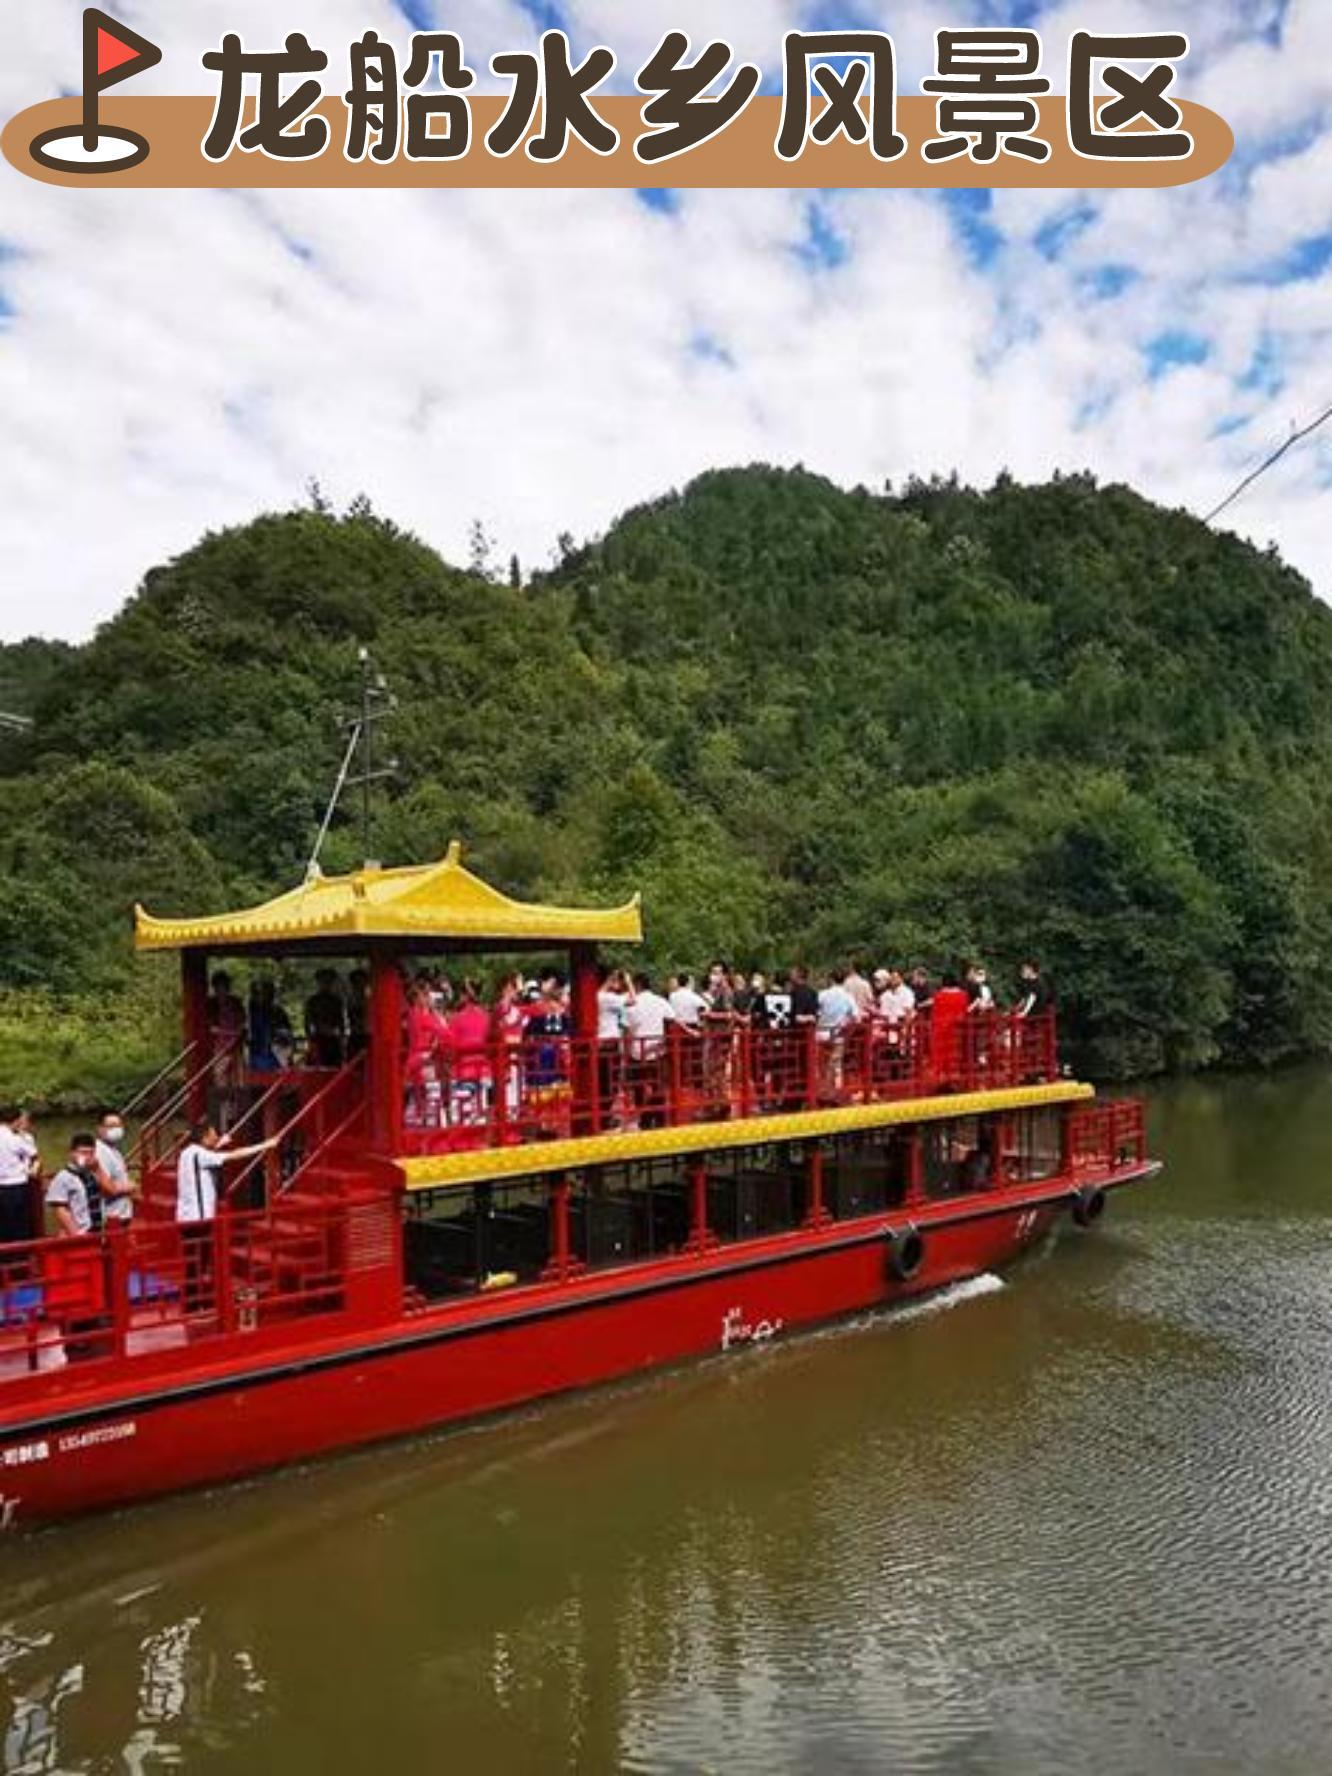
x=184, y=1427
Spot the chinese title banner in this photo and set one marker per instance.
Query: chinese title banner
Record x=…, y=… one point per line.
x=385, y=113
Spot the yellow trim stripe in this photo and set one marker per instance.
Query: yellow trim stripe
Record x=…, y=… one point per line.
x=445, y=1169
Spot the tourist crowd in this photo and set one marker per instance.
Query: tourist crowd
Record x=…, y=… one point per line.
x=457, y=1021
x=448, y=1022
x=455, y=1037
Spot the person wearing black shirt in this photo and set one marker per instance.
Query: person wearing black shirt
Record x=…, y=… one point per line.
x=804, y=999
x=804, y=1017
x=326, y=1022
x=358, y=1012
x=769, y=1016
x=548, y=1029
x=1034, y=995
x=771, y=1009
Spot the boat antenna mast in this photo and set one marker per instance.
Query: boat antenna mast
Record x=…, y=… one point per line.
x=359, y=768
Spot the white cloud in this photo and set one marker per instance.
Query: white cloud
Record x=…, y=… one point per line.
x=179, y=361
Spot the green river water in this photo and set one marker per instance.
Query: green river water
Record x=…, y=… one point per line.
x=1077, y=1518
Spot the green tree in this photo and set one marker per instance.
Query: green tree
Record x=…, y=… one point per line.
x=803, y=721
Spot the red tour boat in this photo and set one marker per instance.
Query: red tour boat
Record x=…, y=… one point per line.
x=420, y=1247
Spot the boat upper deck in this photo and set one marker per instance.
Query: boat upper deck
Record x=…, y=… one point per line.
x=555, y=1089
x=515, y=1096
x=404, y=1082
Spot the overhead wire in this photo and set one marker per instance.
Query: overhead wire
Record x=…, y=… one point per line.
x=1270, y=462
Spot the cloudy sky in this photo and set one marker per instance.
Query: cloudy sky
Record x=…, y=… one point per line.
x=173, y=362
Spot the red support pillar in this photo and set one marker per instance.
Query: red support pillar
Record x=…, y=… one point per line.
x=561, y=1266
x=674, y=1076
x=117, y=1265
x=271, y=1165
x=198, y=1037
x=1067, y=1165
x=701, y=1238
x=503, y=1069
x=384, y=1081
x=585, y=984
x=915, y=1166
x=224, y=1283
x=744, y=1054
x=1007, y=1157
x=816, y=1214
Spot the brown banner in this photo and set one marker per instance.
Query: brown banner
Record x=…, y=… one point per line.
x=742, y=157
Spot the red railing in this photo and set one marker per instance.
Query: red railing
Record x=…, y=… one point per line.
x=156, y=1285
x=306, y=1113
x=1106, y=1137
x=141, y=1107
x=160, y=1126
x=550, y=1088
x=54, y=1304
x=331, y=1107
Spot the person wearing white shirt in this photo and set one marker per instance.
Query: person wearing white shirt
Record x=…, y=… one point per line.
x=688, y=1004
x=690, y=1007
x=897, y=1002
x=23, y=1129
x=614, y=997
x=199, y=1171
x=198, y=1177
x=646, y=1018
x=18, y=1159
x=645, y=1023
x=837, y=1009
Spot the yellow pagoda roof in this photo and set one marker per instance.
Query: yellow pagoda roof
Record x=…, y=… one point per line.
x=440, y=901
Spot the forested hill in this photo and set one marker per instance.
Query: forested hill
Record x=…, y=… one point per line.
x=806, y=722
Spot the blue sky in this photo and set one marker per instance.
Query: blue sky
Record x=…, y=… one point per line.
x=172, y=362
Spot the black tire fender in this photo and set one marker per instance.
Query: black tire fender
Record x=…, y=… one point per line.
x=1089, y=1204
x=906, y=1253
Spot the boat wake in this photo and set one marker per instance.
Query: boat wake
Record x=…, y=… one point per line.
x=954, y=1295
x=920, y=1307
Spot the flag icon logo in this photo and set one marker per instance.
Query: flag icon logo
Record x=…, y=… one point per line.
x=112, y=52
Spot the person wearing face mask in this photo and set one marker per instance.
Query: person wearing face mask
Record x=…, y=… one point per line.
x=74, y=1193
x=117, y=1187
x=75, y=1197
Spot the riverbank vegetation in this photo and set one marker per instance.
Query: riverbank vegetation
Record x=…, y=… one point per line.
x=804, y=721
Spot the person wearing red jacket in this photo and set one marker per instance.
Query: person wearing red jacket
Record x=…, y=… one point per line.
x=948, y=1010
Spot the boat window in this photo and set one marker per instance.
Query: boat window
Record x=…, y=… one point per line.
x=1039, y=1146
x=756, y=1191
x=866, y=1173
x=619, y=1214
x=514, y=1225
x=490, y=1236
x=958, y=1156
